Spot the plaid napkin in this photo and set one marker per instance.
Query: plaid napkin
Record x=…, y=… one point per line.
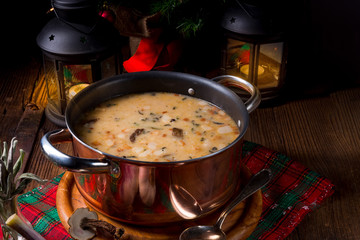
x=292, y=193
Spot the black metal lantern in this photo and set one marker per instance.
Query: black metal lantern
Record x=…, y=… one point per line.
x=255, y=47
x=79, y=47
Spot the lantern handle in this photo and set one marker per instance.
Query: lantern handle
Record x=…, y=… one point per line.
x=231, y=81
x=71, y=163
x=89, y=29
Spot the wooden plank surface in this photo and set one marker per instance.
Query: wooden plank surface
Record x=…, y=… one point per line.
x=16, y=88
x=27, y=130
x=322, y=133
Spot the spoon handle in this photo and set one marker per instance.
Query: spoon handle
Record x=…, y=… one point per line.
x=257, y=181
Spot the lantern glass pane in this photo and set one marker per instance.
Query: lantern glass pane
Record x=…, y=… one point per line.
x=52, y=83
x=76, y=77
x=237, y=58
x=270, y=59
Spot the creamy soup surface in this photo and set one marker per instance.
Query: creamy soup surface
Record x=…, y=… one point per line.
x=157, y=127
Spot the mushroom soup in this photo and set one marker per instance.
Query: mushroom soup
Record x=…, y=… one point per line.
x=157, y=127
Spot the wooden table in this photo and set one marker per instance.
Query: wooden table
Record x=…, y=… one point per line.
x=323, y=133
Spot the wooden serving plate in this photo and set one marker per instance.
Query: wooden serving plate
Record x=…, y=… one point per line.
x=239, y=224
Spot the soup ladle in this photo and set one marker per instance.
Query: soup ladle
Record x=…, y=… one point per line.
x=214, y=232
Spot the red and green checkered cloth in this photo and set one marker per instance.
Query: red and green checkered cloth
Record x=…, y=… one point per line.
x=293, y=192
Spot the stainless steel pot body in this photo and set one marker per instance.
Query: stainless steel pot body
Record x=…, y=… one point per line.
x=148, y=193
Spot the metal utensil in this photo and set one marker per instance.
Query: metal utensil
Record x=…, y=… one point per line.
x=257, y=181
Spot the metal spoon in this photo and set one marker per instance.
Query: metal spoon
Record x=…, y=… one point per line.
x=184, y=203
x=214, y=232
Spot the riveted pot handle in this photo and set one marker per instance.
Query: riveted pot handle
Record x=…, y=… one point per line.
x=71, y=163
x=231, y=81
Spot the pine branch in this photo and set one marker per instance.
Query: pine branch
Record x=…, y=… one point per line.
x=187, y=17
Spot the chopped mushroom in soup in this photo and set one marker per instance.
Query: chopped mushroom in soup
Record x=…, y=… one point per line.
x=157, y=127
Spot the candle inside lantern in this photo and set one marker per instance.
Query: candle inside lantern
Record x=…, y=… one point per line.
x=245, y=70
x=76, y=78
x=76, y=89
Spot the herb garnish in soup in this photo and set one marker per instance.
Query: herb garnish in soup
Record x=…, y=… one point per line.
x=157, y=127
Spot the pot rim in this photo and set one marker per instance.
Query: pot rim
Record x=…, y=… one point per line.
x=242, y=125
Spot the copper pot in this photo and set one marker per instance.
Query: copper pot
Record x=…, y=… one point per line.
x=149, y=193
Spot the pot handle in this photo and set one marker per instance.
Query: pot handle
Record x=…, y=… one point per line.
x=71, y=163
x=231, y=81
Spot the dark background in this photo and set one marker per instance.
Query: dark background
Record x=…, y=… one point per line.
x=324, y=37
x=20, y=22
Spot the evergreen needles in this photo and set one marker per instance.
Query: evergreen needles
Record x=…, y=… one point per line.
x=186, y=17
